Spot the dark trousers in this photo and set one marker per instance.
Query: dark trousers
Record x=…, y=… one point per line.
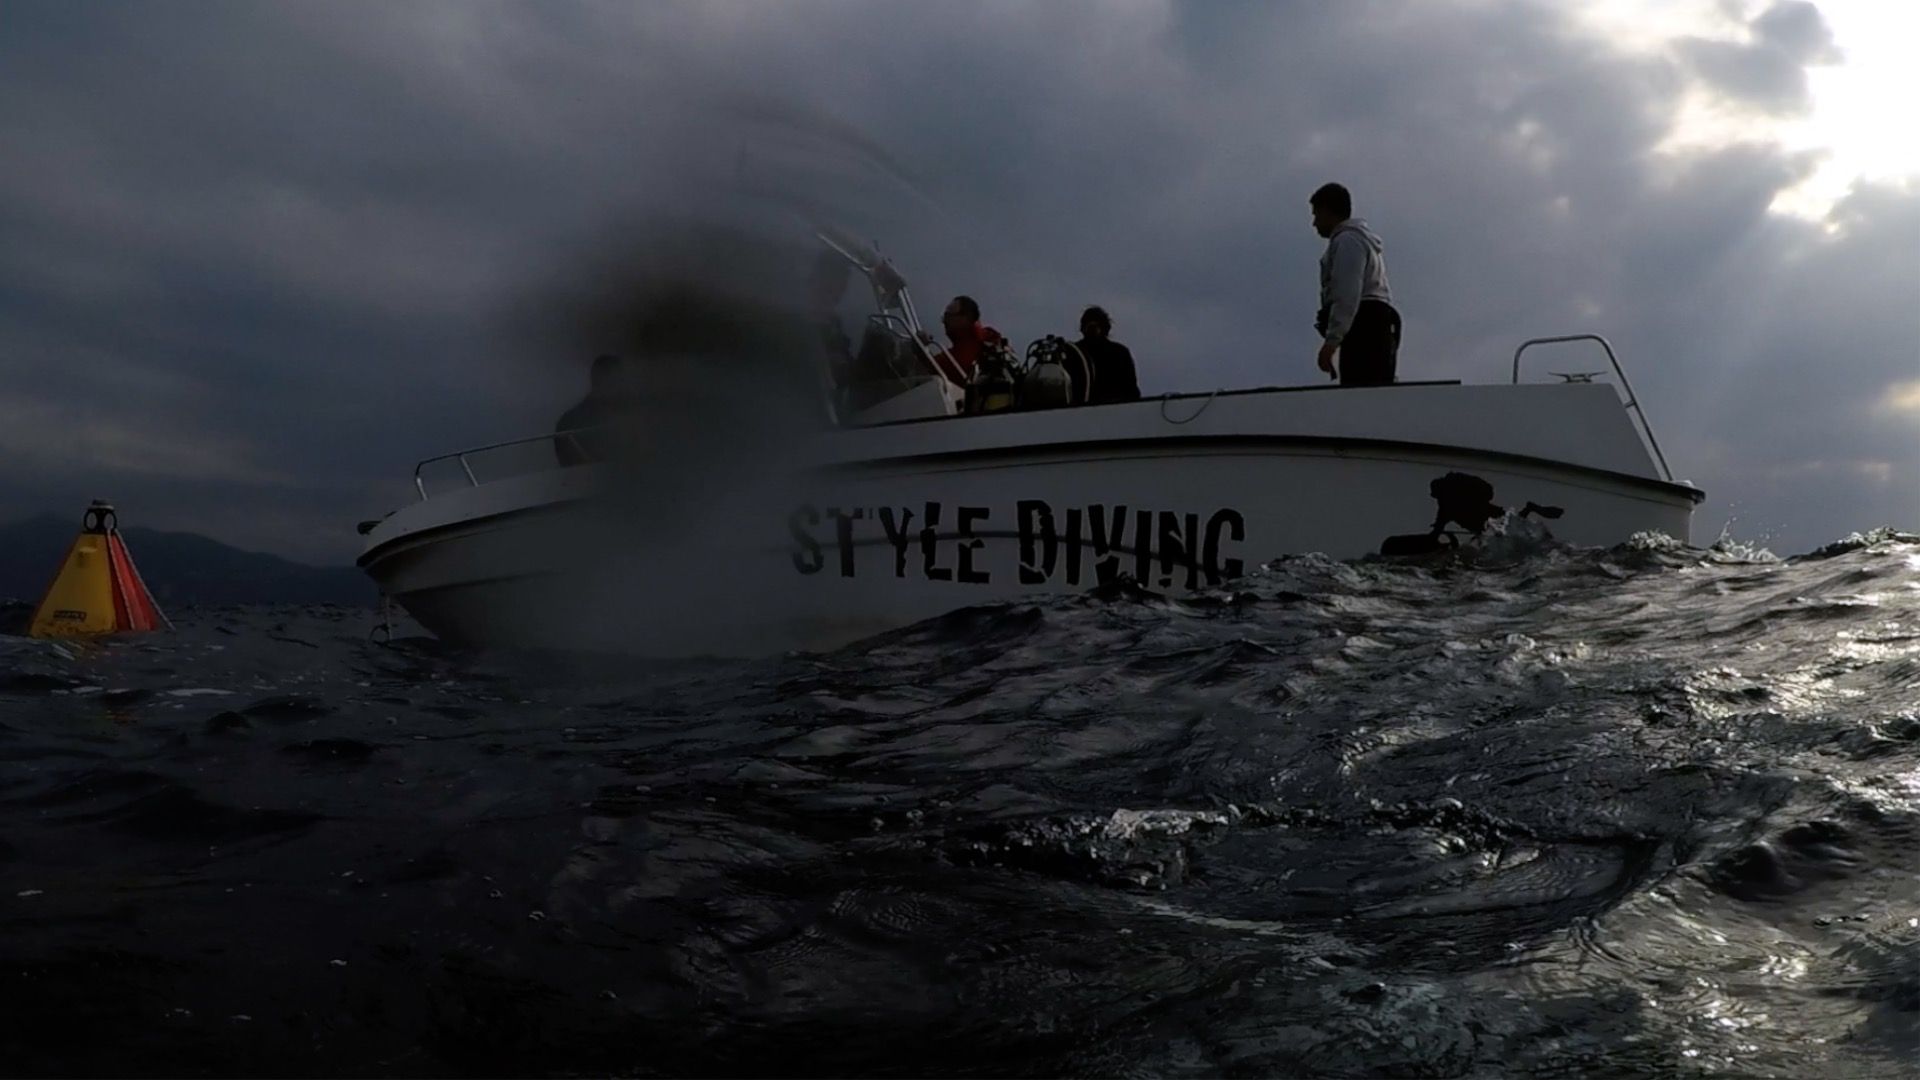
x=1370, y=353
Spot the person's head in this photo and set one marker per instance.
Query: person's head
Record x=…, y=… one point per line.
x=961, y=314
x=1095, y=323
x=1332, y=204
x=603, y=376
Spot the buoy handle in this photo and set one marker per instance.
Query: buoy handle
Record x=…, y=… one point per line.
x=100, y=518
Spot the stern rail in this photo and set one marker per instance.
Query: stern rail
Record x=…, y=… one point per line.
x=1633, y=402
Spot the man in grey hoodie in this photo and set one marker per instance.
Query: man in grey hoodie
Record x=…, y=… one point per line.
x=1357, y=318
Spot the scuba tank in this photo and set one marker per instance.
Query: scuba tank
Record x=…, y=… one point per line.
x=991, y=389
x=1046, y=384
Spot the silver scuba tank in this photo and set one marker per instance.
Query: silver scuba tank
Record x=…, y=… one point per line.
x=1046, y=384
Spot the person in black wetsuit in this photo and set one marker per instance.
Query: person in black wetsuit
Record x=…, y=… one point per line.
x=1357, y=318
x=1114, y=377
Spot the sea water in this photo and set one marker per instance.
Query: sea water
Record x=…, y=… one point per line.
x=1516, y=810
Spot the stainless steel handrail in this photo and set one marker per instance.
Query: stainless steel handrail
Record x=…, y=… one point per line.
x=419, y=483
x=931, y=357
x=1633, y=402
x=890, y=292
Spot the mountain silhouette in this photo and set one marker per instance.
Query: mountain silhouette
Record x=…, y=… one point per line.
x=181, y=570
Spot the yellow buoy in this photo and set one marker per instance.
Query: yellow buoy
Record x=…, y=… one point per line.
x=97, y=590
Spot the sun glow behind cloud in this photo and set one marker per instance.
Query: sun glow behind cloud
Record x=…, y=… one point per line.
x=1903, y=398
x=1862, y=107
x=1857, y=124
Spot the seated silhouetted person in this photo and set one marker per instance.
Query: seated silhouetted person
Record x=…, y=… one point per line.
x=1110, y=363
x=583, y=433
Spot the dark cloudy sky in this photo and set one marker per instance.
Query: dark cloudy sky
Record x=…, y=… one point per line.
x=254, y=258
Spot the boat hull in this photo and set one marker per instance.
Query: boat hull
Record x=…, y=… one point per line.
x=819, y=557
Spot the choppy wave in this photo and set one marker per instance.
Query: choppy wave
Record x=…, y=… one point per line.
x=1513, y=810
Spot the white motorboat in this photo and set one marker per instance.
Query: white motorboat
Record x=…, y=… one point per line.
x=902, y=504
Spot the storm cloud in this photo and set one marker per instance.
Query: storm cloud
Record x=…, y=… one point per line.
x=255, y=260
x=1768, y=71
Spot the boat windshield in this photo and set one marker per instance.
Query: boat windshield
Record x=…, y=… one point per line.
x=885, y=370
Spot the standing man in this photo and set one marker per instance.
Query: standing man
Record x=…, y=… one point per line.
x=1357, y=318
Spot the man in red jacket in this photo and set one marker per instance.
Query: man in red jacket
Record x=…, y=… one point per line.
x=967, y=336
